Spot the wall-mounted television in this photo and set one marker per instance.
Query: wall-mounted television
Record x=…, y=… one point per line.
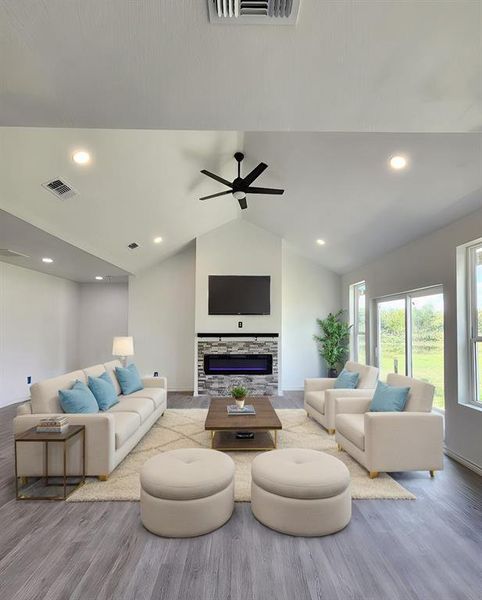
x=239, y=295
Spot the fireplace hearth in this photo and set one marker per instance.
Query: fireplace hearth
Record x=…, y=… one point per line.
x=228, y=360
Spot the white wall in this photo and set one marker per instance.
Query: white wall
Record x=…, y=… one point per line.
x=428, y=261
x=161, y=319
x=238, y=248
x=38, y=329
x=309, y=292
x=102, y=315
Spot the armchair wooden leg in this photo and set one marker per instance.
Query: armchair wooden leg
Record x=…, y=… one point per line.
x=432, y=473
x=373, y=474
x=331, y=431
x=339, y=447
x=103, y=477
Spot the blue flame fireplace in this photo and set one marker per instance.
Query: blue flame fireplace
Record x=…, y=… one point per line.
x=238, y=364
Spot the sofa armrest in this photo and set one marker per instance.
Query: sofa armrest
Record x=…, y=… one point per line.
x=99, y=445
x=352, y=405
x=319, y=384
x=403, y=441
x=155, y=382
x=332, y=395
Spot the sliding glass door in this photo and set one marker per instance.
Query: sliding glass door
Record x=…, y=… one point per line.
x=392, y=349
x=410, y=337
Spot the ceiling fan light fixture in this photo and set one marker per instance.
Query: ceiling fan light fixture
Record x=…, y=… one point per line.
x=239, y=195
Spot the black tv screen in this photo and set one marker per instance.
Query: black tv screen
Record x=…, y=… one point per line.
x=239, y=295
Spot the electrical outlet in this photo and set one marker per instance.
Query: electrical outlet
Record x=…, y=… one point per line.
x=29, y=379
x=240, y=324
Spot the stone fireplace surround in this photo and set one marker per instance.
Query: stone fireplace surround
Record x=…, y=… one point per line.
x=225, y=343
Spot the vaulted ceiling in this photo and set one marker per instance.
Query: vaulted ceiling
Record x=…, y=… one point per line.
x=144, y=184
x=156, y=93
x=366, y=65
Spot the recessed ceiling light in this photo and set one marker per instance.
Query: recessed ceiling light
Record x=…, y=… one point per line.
x=47, y=260
x=81, y=157
x=320, y=242
x=398, y=162
x=99, y=277
x=157, y=240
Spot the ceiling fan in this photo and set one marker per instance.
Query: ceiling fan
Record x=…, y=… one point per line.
x=241, y=185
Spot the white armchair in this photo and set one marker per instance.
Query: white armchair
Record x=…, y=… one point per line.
x=411, y=440
x=319, y=400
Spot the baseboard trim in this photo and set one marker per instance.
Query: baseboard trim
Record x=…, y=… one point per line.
x=463, y=461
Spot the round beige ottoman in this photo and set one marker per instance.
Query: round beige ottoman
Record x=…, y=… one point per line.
x=188, y=492
x=300, y=492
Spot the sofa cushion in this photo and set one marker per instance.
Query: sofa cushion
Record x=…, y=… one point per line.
x=352, y=426
x=45, y=394
x=347, y=380
x=388, y=398
x=420, y=396
x=129, y=379
x=316, y=400
x=110, y=368
x=141, y=406
x=95, y=371
x=368, y=374
x=79, y=399
x=156, y=395
x=103, y=390
x=126, y=424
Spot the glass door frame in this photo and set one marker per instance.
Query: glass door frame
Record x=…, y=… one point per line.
x=407, y=297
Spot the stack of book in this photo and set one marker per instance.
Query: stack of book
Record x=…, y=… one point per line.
x=52, y=425
x=248, y=409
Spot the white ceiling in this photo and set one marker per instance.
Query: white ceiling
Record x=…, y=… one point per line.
x=69, y=262
x=365, y=65
x=143, y=184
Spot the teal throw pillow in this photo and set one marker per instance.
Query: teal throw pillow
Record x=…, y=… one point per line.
x=347, y=380
x=129, y=379
x=79, y=399
x=388, y=398
x=103, y=390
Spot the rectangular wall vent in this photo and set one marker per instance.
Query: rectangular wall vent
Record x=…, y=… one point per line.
x=60, y=188
x=254, y=12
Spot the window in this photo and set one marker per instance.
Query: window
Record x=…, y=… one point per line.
x=410, y=337
x=358, y=320
x=475, y=321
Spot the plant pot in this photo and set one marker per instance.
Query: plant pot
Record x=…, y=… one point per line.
x=333, y=373
x=240, y=402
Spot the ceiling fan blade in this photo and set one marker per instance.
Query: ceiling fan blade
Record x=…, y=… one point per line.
x=217, y=178
x=243, y=204
x=216, y=195
x=258, y=190
x=255, y=173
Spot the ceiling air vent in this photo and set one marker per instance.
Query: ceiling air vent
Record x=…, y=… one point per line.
x=60, y=188
x=12, y=254
x=254, y=12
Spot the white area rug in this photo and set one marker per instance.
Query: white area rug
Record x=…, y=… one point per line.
x=185, y=429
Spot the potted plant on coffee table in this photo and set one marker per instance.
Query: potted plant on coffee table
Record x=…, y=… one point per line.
x=239, y=393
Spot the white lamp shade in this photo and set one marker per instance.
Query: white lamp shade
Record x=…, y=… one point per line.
x=123, y=346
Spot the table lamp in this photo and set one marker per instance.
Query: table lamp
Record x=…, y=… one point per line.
x=123, y=347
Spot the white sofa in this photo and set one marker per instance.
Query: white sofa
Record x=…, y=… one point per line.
x=411, y=440
x=319, y=400
x=109, y=435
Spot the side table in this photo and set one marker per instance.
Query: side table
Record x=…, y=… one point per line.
x=31, y=435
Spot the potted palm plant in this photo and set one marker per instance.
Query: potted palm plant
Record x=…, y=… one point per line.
x=333, y=340
x=239, y=393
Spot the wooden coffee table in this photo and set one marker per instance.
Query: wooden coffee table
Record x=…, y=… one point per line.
x=264, y=424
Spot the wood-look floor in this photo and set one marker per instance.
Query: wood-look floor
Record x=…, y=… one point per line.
x=428, y=549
